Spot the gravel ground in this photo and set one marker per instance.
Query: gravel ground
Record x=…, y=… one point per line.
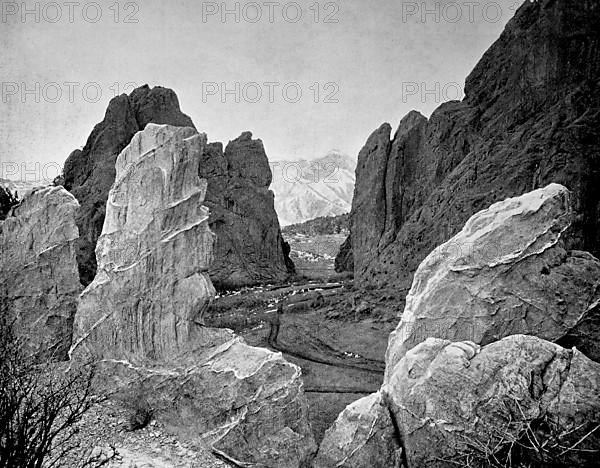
x=104, y=439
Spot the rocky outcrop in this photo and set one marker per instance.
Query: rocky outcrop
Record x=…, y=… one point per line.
x=90, y=173
x=152, y=285
x=39, y=283
x=505, y=273
x=457, y=404
x=142, y=315
x=463, y=384
x=249, y=248
x=530, y=117
x=344, y=260
x=363, y=435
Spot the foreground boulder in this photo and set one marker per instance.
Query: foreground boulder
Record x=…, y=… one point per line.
x=142, y=315
x=39, y=283
x=363, y=435
x=505, y=273
x=530, y=116
x=249, y=248
x=457, y=404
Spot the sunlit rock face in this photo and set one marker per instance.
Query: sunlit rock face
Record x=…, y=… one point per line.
x=457, y=404
x=151, y=287
x=39, y=283
x=142, y=315
x=90, y=173
x=363, y=435
x=506, y=272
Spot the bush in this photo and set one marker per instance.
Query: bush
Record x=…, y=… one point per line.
x=40, y=405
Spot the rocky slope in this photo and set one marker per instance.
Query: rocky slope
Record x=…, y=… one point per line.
x=142, y=315
x=530, y=116
x=305, y=190
x=249, y=249
x=39, y=283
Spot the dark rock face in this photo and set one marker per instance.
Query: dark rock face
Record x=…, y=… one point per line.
x=250, y=248
x=344, y=260
x=89, y=174
x=530, y=117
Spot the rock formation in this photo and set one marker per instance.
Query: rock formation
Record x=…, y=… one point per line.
x=249, y=249
x=39, y=283
x=90, y=173
x=530, y=117
x=363, y=435
x=142, y=314
x=505, y=273
x=152, y=285
x=456, y=403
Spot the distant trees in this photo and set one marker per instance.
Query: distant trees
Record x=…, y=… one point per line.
x=326, y=225
x=40, y=405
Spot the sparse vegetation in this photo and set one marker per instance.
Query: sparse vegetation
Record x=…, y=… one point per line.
x=41, y=404
x=530, y=443
x=326, y=225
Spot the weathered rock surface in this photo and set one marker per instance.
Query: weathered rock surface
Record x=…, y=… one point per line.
x=152, y=285
x=344, y=261
x=142, y=314
x=363, y=435
x=89, y=173
x=246, y=403
x=39, y=283
x=249, y=248
x=455, y=402
x=506, y=272
x=531, y=116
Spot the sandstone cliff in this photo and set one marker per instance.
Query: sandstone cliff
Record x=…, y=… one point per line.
x=39, y=283
x=249, y=249
x=530, y=116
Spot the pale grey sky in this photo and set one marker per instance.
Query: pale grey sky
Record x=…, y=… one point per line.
x=376, y=61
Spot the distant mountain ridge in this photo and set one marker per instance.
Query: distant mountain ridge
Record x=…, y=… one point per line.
x=309, y=189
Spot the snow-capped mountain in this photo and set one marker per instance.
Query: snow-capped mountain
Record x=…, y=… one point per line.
x=308, y=189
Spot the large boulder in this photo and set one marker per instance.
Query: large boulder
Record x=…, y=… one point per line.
x=142, y=315
x=521, y=397
x=505, y=273
x=530, y=116
x=363, y=435
x=249, y=248
x=39, y=283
